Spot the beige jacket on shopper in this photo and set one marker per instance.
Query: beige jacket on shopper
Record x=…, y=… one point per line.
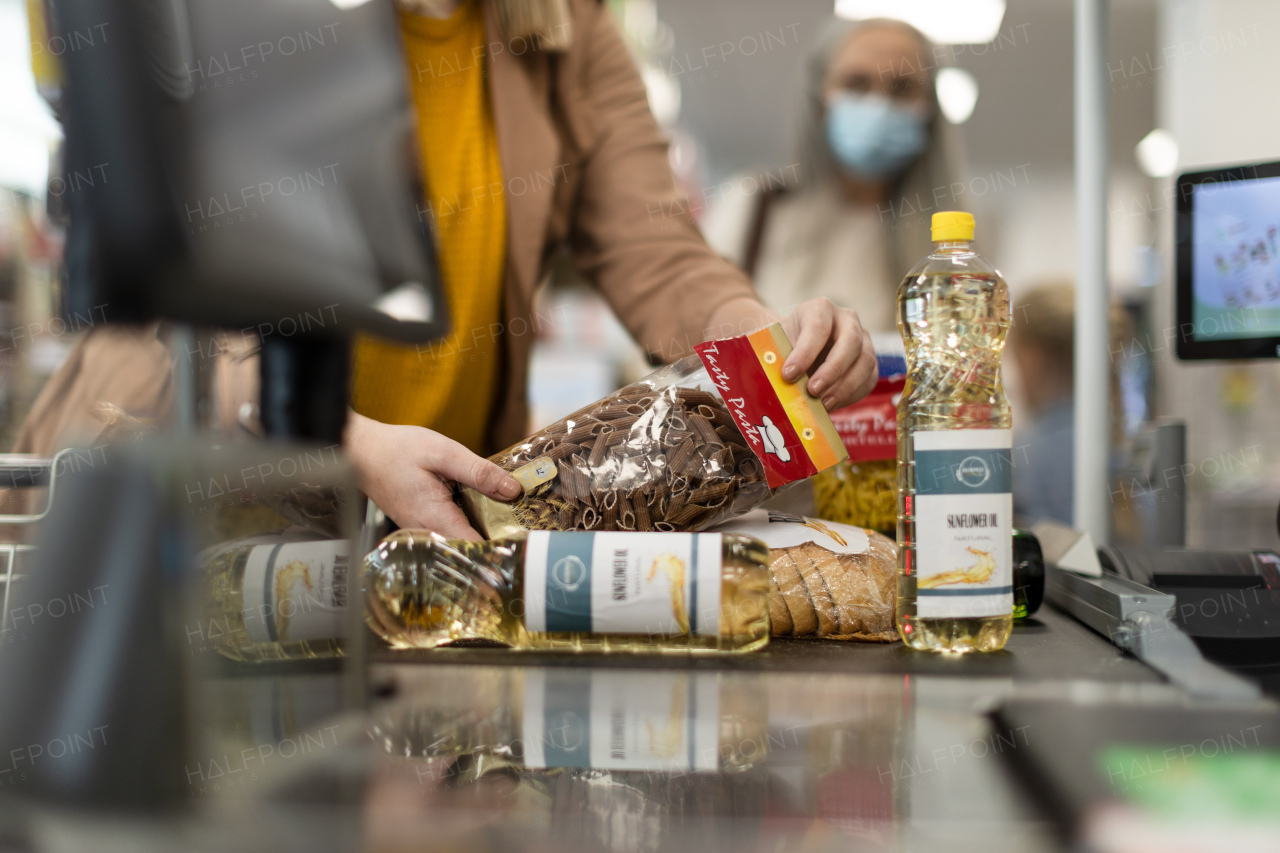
x=585, y=167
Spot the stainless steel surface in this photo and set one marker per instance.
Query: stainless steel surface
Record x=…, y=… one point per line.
x=809, y=746
x=29, y=470
x=736, y=760
x=10, y=550
x=872, y=762
x=22, y=470
x=483, y=752
x=1157, y=481
x=192, y=373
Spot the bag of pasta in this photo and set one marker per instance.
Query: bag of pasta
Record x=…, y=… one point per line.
x=698, y=441
x=863, y=489
x=827, y=579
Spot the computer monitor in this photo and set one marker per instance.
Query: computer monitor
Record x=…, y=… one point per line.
x=1227, y=229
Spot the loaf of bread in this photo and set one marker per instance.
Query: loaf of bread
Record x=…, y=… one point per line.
x=829, y=580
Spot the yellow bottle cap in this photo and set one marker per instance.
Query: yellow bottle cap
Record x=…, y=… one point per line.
x=952, y=225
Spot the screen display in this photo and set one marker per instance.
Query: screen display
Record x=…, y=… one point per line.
x=1235, y=239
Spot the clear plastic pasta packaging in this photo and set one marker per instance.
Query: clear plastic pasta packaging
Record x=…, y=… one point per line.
x=863, y=489
x=704, y=439
x=828, y=580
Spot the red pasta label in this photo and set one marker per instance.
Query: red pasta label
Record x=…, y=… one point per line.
x=869, y=428
x=787, y=428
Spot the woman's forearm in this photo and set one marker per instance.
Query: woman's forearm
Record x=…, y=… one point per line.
x=741, y=315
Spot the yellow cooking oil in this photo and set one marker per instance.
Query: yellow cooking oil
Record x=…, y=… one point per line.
x=572, y=591
x=955, y=503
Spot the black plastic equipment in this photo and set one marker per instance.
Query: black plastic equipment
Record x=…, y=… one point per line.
x=258, y=165
x=1227, y=601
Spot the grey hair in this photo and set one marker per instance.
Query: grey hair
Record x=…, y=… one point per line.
x=903, y=216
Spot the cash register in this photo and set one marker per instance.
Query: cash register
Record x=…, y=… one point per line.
x=1227, y=273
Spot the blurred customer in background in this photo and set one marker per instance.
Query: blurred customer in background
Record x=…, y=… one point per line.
x=1042, y=343
x=874, y=155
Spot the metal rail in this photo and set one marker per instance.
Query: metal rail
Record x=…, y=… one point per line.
x=18, y=471
x=1139, y=620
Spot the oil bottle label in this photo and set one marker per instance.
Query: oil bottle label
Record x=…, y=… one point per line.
x=656, y=721
x=297, y=591
x=622, y=583
x=964, y=523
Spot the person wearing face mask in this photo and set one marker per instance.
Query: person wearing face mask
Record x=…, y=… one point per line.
x=851, y=216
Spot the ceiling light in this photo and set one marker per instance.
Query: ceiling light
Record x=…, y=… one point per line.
x=941, y=21
x=1157, y=154
x=957, y=94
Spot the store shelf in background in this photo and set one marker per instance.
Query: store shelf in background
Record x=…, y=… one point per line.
x=582, y=354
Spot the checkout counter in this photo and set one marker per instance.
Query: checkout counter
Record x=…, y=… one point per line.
x=805, y=745
x=122, y=735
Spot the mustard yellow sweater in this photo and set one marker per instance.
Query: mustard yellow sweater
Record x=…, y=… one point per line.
x=448, y=386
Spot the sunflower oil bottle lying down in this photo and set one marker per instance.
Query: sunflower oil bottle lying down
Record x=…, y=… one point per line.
x=280, y=598
x=574, y=591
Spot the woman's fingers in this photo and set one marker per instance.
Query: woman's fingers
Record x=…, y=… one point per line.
x=831, y=345
x=409, y=471
x=846, y=346
x=455, y=462
x=813, y=323
x=857, y=381
x=426, y=500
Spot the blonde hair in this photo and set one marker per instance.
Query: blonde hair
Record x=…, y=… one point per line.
x=546, y=23
x=1044, y=318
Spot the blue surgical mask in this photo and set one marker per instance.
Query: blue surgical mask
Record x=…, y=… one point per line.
x=871, y=136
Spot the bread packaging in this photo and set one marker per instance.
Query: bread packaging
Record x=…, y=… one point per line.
x=829, y=580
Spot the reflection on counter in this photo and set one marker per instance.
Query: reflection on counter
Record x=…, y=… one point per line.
x=654, y=721
x=255, y=729
x=625, y=759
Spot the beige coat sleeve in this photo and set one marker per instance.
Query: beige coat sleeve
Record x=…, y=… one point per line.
x=633, y=234
x=116, y=375
x=124, y=367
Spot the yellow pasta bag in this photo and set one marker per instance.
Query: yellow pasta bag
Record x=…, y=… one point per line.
x=863, y=489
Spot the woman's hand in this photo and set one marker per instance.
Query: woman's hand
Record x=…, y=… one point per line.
x=827, y=342
x=830, y=344
x=408, y=472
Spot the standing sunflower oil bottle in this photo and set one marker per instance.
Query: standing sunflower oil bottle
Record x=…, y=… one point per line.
x=955, y=502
